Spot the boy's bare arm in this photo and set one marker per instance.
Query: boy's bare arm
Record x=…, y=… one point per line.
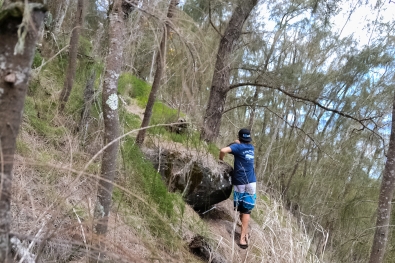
x=223, y=152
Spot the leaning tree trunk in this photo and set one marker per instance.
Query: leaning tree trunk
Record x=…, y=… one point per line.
x=385, y=198
x=118, y=16
x=160, y=65
x=220, y=81
x=15, y=64
x=73, y=50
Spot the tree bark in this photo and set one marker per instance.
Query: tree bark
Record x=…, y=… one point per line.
x=117, y=17
x=253, y=109
x=160, y=66
x=220, y=81
x=384, y=206
x=73, y=50
x=58, y=10
x=14, y=75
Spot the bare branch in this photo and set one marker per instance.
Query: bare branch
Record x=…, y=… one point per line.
x=289, y=124
x=295, y=96
x=211, y=22
x=314, y=102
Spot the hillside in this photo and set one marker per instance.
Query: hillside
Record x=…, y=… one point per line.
x=55, y=186
x=113, y=113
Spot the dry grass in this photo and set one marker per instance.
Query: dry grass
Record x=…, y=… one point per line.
x=278, y=239
x=50, y=207
x=53, y=207
x=52, y=210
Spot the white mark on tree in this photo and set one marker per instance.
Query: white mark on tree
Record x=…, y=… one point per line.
x=112, y=101
x=99, y=210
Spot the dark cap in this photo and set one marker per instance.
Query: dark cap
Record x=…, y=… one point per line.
x=245, y=135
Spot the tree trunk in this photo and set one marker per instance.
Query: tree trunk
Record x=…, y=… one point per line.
x=75, y=35
x=59, y=10
x=384, y=206
x=56, y=13
x=285, y=192
x=152, y=67
x=160, y=66
x=220, y=81
x=118, y=15
x=253, y=109
x=14, y=75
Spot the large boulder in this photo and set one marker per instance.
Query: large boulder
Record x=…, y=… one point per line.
x=202, y=181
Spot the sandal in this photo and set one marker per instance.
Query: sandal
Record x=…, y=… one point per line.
x=244, y=246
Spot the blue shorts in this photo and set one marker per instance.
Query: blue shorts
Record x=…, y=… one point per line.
x=244, y=197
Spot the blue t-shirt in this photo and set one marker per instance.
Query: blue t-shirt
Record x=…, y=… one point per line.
x=243, y=164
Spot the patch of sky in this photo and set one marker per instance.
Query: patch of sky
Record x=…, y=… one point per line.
x=360, y=21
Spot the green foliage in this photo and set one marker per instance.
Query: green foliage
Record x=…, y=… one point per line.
x=163, y=114
x=84, y=72
x=39, y=113
x=158, y=207
x=37, y=60
x=213, y=149
x=60, y=65
x=76, y=101
x=42, y=112
x=22, y=148
x=130, y=85
x=129, y=120
x=84, y=46
x=147, y=176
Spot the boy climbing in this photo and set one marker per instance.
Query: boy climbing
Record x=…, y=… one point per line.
x=243, y=180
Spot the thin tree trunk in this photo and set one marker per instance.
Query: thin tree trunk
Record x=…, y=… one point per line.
x=118, y=15
x=220, y=81
x=71, y=69
x=14, y=75
x=384, y=206
x=160, y=65
x=253, y=109
x=285, y=192
x=59, y=9
x=152, y=67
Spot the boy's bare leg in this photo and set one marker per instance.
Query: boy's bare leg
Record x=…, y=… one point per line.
x=244, y=218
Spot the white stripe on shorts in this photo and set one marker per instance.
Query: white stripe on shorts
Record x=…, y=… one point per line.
x=245, y=188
